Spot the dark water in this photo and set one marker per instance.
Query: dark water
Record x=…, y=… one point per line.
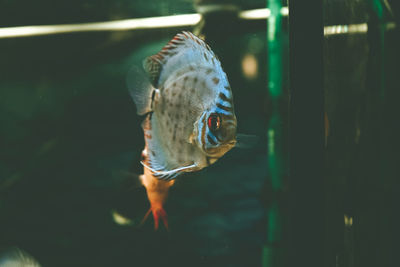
x=70, y=146
x=70, y=143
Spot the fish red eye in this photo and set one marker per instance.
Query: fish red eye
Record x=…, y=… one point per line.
x=214, y=121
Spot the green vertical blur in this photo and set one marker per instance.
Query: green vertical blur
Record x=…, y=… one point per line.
x=272, y=249
x=378, y=8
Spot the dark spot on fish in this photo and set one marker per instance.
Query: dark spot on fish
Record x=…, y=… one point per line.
x=154, y=154
x=174, y=84
x=174, y=134
x=192, y=90
x=205, y=56
x=173, y=93
x=184, y=82
x=195, y=80
x=177, y=116
x=191, y=68
x=209, y=71
x=215, y=80
x=203, y=133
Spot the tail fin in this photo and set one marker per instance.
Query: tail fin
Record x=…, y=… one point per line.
x=140, y=89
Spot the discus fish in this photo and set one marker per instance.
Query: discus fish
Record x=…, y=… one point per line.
x=190, y=121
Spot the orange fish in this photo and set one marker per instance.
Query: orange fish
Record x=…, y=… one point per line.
x=157, y=190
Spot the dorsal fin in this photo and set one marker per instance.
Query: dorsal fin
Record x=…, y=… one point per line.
x=185, y=43
x=153, y=67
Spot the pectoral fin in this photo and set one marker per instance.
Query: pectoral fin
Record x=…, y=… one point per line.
x=246, y=141
x=140, y=89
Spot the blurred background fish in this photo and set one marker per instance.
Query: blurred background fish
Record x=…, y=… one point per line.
x=16, y=257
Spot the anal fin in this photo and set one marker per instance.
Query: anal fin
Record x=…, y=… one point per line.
x=168, y=174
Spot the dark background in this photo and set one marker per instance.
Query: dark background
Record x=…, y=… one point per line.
x=70, y=142
x=70, y=136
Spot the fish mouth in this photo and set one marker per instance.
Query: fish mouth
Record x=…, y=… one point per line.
x=219, y=151
x=231, y=143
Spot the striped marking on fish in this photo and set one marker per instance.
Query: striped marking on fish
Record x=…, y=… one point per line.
x=203, y=133
x=212, y=138
x=226, y=90
x=223, y=110
x=224, y=101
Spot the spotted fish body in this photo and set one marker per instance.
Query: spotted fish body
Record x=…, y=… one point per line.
x=190, y=120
